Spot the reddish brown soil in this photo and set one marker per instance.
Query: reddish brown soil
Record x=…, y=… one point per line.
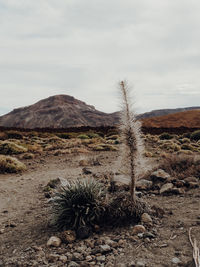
x=190, y=119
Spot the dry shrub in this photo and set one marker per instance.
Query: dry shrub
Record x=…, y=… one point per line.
x=104, y=147
x=3, y=136
x=122, y=210
x=9, y=148
x=27, y=156
x=10, y=165
x=181, y=166
x=14, y=135
x=34, y=148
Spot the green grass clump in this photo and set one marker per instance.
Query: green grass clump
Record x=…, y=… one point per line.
x=165, y=136
x=9, y=148
x=78, y=204
x=195, y=136
x=83, y=136
x=10, y=165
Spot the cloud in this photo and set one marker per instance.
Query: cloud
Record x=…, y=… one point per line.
x=83, y=48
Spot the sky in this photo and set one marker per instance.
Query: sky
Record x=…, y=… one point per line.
x=84, y=48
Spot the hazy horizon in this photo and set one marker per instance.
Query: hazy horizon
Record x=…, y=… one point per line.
x=84, y=48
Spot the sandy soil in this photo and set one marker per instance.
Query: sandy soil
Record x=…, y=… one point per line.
x=24, y=215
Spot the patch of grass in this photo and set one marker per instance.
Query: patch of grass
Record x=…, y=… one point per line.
x=83, y=136
x=195, y=136
x=187, y=147
x=10, y=148
x=104, y=147
x=165, y=136
x=10, y=165
x=14, y=135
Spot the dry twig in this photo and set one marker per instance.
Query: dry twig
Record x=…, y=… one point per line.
x=196, y=255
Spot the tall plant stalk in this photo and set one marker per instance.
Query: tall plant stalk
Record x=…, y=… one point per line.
x=132, y=145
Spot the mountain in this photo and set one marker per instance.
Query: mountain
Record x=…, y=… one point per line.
x=188, y=118
x=64, y=111
x=162, y=112
x=59, y=111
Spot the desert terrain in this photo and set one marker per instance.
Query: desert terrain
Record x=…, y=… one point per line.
x=25, y=206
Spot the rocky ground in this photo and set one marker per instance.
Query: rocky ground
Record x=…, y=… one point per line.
x=160, y=240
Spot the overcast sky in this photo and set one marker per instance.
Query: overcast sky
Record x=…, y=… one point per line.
x=84, y=48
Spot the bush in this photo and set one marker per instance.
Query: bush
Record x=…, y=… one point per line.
x=187, y=147
x=93, y=135
x=181, y=166
x=195, y=136
x=83, y=136
x=63, y=135
x=78, y=204
x=9, y=148
x=122, y=210
x=10, y=165
x=14, y=135
x=186, y=135
x=165, y=136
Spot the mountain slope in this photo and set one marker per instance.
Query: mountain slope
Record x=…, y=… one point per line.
x=162, y=112
x=60, y=111
x=190, y=119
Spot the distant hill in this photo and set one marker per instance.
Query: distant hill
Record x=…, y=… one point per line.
x=189, y=118
x=162, y=112
x=60, y=111
x=64, y=111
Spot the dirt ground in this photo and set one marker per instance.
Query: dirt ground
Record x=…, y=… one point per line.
x=24, y=217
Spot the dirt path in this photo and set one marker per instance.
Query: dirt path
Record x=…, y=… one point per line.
x=24, y=215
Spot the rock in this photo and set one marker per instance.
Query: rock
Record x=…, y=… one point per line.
x=138, y=229
x=159, y=176
x=140, y=264
x=193, y=185
x=54, y=241
x=176, y=260
x=86, y=171
x=191, y=179
x=105, y=249
x=146, y=218
x=158, y=211
x=73, y=264
x=131, y=264
x=2, y=231
x=52, y=257
x=89, y=258
x=83, y=232
x=101, y=258
x=149, y=235
x=144, y=184
x=121, y=242
x=179, y=183
x=166, y=188
x=68, y=236
x=77, y=256
x=63, y=258
x=177, y=191
x=36, y=248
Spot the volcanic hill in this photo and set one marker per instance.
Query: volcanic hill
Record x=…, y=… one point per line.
x=60, y=111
